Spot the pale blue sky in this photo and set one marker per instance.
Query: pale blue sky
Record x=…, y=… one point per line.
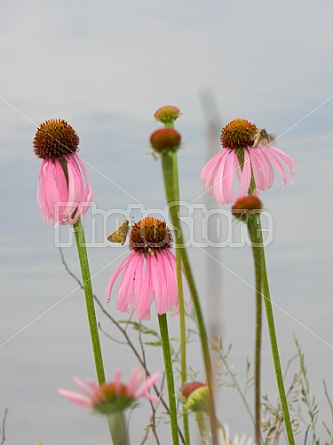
x=106, y=66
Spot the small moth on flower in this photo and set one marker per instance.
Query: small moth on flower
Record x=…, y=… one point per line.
x=120, y=235
x=261, y=137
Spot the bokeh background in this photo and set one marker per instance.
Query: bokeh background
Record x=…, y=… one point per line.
x=105, y=67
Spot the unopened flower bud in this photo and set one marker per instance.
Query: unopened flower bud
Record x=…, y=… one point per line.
x=165, y=139
x=245, y=207
x=196, y=395
x=167, y=114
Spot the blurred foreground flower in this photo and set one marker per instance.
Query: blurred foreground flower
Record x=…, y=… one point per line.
x=248, y=160
x=196, y=396
x=112, y=397
x=149, y=271
x=237, y=440
x=64, y=192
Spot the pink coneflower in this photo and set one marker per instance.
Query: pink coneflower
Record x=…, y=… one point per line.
x=149, y=271
x=248, y=160
x=64, y=192
x=115, y=396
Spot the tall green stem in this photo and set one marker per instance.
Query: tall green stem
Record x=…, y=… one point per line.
x=118, y=428
x=204, y=344
x=271, y=329
x=169, y=165
x=174, y=199
x=88, y=293
x=86, y=280
x=257, y=257
x=169, y=376
x=173, y=196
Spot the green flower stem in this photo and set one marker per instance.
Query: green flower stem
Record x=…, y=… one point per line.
x=88, y=293
x=271, y=328
x=182, y=328
x=174, y=199
x=204, y=344
x=257, y=257
x=170, y=173
x=86, y=280
x=199, y=417
x=182, y=321
x=169, y=376
x=118, y=428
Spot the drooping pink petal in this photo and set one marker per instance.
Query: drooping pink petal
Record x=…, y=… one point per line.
x=288, y=161
x=209, y=171
x=219, y=175
x=56, y=191
x=144, y=390
x=59, y=197
x=117, y=381
x=77, y=398
x=245, y=176
x=88, y=391
x=262, y=170
x=98, y=391
x=171, y=277
x=231, y=163
x=158, y=279
x=139, y=279
x=75, y=185
x=80, y=192
x=126, y=300
x=168, y=295
x=113, y=279
x=89, y=193
x=46, y=213
x=146, y=295
x=134, y=383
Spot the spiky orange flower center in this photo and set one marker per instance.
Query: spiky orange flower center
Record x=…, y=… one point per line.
x=167, y=114
x=165, y=139
x=54, y=139
x=110, y=399
x=237, y=134
x=150, y=235
x=246, y=206
x=107, y=392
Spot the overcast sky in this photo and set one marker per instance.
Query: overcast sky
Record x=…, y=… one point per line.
x=106, y=66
